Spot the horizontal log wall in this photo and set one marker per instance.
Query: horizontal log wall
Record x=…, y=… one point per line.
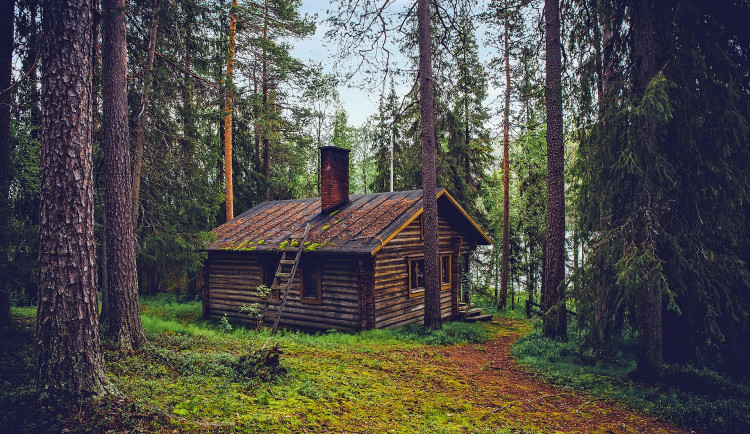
x=232, y=278
x=393, y=306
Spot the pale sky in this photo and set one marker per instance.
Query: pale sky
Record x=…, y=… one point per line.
x=359, y=104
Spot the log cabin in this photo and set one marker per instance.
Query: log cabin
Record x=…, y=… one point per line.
x=362, y=263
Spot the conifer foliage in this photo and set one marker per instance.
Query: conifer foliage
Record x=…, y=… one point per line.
x=663, y=190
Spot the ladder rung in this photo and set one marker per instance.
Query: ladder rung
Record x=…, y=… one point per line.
x=287, y=275
x=287, y=261
x=292, y=249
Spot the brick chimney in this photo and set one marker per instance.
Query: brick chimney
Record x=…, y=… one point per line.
x=334, y=177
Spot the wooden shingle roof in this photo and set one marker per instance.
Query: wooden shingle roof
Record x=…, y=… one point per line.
x=361, y=226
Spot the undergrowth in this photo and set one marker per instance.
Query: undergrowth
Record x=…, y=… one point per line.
x=699, y=398
x=198, y=376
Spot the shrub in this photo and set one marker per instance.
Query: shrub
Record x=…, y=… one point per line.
x=451, y=333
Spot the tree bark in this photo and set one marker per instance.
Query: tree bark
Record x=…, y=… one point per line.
x=506, y=172
x=124, y=326
x=555, y=321
x=266, y=116
x=229, y=191
x=650, y=363
x=67, y=348
x=432, y=317
x=6, y=69
x=140, y=123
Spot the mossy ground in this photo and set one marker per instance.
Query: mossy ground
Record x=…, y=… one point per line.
x=376, y=381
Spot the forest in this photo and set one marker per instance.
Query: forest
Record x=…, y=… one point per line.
x=602, y=145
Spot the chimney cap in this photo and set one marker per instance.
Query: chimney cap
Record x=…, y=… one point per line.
x=333, y=148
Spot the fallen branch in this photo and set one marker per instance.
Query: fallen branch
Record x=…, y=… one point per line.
x=586, y=403
x=546, y=396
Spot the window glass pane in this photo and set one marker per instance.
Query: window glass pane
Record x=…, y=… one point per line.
x=417, y=273
x=269, y=269
x=445, y=270
x=310, y=284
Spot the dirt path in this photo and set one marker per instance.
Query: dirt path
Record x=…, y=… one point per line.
x=511, y=394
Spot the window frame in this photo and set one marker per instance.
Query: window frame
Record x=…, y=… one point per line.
x=269, y=265
x=419, y=290
x=413, y=292
x=446, y=285
x=306, y=268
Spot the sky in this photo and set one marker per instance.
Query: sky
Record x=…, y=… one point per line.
x=358, y=103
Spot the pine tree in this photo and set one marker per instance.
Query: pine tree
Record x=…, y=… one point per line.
x=228, y=86
x=553, y=290
x=432, y=318
x=68, y=349
x=123, y=322
x=6, y=69
x=142, y=118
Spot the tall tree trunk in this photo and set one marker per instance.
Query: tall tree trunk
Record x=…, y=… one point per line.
x=602, y=323
x=432, y=317
x=506, y=171
x=68, y=347
x=555, y=321
x=650, y=366
x=95, y=118
x=594, y=23
x=6, y=69
x=229, y=190
x=266, y=116
x=124, y=320
x=221, y=218
x=140, y=123
x=575, y=254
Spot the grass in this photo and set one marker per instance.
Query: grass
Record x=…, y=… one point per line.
x=193, y=376
x=699, y=398
x=189, y=378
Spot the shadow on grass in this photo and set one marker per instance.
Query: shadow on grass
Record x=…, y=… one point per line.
x=701, y=399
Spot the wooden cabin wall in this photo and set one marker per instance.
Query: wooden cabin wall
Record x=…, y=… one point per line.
x=232, y=276
x=393, y=306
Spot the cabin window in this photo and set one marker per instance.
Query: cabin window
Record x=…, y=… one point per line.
x=311, y=290
x=416, y=276
x=267, y=273
x=445, y=271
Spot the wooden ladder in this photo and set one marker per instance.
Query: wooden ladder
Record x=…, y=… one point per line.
x=283, y=279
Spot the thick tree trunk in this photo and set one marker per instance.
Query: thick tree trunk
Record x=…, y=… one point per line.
x=124, y=321
x=6, y=69
x=427, y=137
x=228, y=189
x=140, y=123
x=506, y=173
x=650, y=364
x=555, y=321
x=68, y=348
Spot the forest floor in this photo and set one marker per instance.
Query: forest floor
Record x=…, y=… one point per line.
x=377, y=381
